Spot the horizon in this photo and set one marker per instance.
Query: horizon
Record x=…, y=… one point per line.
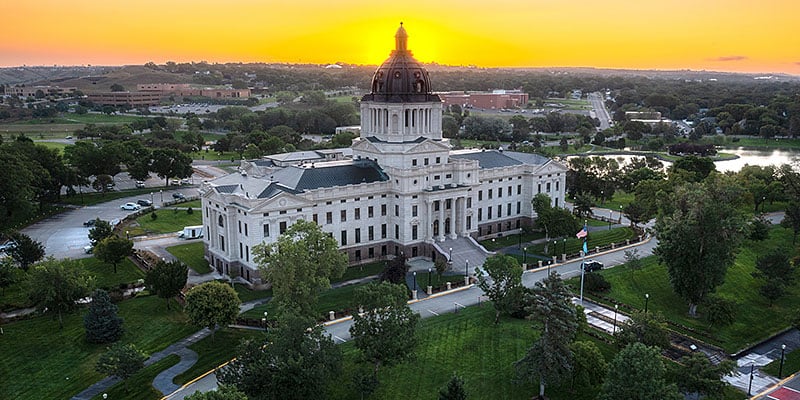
x=712, y=36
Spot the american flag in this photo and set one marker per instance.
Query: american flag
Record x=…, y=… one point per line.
x=582, y=233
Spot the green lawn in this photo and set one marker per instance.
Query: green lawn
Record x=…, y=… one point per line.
x=214, y=156
x=620, y=198
x=755, y=319
x=246, y=294
x=195, y=204
x=140, y=385
x=61, y=363
x=574, y=245
x=761, y=142
x=213, y=352
x=54, y=145
x=468, y=344
x=97, y=118
x=510, y=240
x=362, y=271
x=15, y=295
x=791, y=364
x=191, y=254
x=169, y=220
x=338, y=299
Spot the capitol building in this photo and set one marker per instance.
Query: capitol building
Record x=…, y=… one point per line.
x=399, y=188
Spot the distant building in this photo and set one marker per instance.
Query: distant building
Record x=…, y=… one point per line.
x=402, y=188
x=642, y=115
x=184, y=89
x=134, y=99
x=30, y=91
x=495, y=100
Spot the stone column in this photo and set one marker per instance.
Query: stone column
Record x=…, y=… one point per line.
x=429, y=221
x=453, y=234
x=441, y=220
x=463, y=208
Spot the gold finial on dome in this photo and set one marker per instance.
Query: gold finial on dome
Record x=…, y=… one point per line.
x=401, y=39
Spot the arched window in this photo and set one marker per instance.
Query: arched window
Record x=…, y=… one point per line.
x=220, y=221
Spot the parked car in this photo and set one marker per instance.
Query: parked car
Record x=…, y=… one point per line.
x=130, y=206
x=592, y=265
x=139, y=184
x=178, y=196
x=89, y=223
x=88, y=249
x=144, y=203
x=185, y=181
x=7, y=246
x=174, y=182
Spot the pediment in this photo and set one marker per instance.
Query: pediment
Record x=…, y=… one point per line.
x=551, y=167
x=282, y=201
x=429, y=146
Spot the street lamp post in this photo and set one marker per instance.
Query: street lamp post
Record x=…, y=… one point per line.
x=266, y=327
x=646, y=299
x=565, y=248
x=451, y=255
x=151, y=198
x=763, y=202
x=429, y=277
x=610, y=217
x=620, y=214
x=162, y=196
x=602, y=198
x=555, y=242
x=519, y=240
x=415, y=280
x=128, y=235
x=524, y=255
x=750, y=386
x=466, y=272
x=616, y=307
x=780, y=370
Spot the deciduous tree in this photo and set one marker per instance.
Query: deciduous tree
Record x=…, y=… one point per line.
x=167, y=279
x=223, y=392
x=25, y=251
x=385, y=330
x=589, y=367
x=647, y=328
x=121, y=361
x=698, y=238
x=55, y=286
x=101, y=230
x=296, y=362
x=502, y=275
x=637, y=373
x=300, y=265
x=112, y=250
x=698, y=375
x=212, y=304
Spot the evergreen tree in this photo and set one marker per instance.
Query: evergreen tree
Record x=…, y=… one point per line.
x=102, y=323
x=454, y=390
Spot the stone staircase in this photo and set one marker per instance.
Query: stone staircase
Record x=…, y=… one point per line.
x=464, y=249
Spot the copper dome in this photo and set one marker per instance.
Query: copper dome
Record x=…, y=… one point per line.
x=401, y=78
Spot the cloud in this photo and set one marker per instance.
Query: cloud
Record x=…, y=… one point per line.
x=797, y=63
x=729, y=58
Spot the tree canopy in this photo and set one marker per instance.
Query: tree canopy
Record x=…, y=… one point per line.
x=112, y=250
x=167, y=279
x=503, y=275
x=300, y=265
x=212, y=304
x=55, y=286
x=637, y=373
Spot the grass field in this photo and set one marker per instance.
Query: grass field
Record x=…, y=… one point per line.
x=215, y=156
x=510, y=240
x=245, y=294
x=597, y=238
x=569, y=104
x=467, y=344
x=191, y=254
x=54, y=145
x=15, y=295
x=169, y=220
x=214, y=352
x=61, y=363
x=761, y=142
x=620, y=198
x=361, y=271
x=195, y=204
x=755, y=319
x=140, y=385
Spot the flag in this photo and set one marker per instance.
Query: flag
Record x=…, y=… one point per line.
x=582, y=233
x=585, y=248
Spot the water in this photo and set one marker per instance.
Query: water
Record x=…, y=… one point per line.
x=774, y=157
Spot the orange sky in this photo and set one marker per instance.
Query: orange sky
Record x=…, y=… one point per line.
x=723, y=35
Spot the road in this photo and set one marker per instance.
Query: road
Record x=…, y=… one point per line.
x=600, y=111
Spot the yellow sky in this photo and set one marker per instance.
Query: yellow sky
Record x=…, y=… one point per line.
x=723, y=35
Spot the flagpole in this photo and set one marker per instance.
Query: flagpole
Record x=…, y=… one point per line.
x=583, y=263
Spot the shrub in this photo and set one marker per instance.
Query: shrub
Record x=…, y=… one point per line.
x=189, y=211
x=596, y=283
x=153, y=216
x=759, y=228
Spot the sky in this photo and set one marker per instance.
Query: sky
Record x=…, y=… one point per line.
x=720, y=35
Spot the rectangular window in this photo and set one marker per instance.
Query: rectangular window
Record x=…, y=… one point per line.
x=499, y=192
x=383, y=231
x=548, y=187
x=413, y=232
x=509, y=190
x=357, y=213
x=396, y=210
x=245, y=228
x=358, y=235
x=508, y=209
x=343, y=240
x=241, y=250
x=370, y=211
x=383, y=210
x=222, y=242
x=414, y=162
x=519, y=189
x=343, y=215
x=426, y=161
x=539, y=188
x=480, y=195
x=469, y=202
x=266, y=230
x=480, y=214
x=371, y=252
x=437, y=177
x=358, y=255
x=247, y=253
x=283, y=227
x=370, y=233
x=489, y=213
x=329, y=217
x=438, y=160
x=556, y=185
x=519, y=207
x=490, y=193
x=314, y=218
x=396, y=231
x=413, y=211
x=240, y=226
x=469, y=222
